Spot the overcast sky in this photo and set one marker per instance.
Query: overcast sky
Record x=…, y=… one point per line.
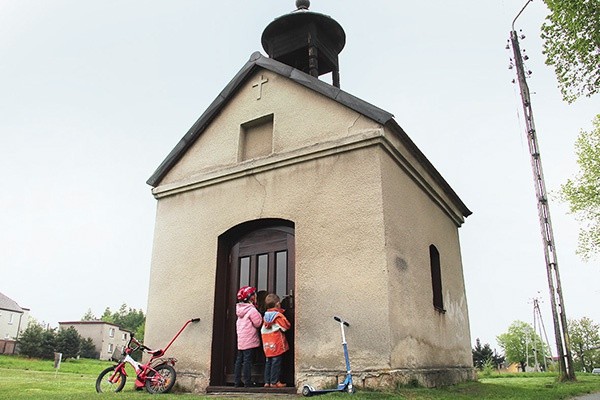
x=94, y=94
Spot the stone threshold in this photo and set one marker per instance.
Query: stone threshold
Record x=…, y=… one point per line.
x=249, y=390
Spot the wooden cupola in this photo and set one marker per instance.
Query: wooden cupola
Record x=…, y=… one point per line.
x=306, y=40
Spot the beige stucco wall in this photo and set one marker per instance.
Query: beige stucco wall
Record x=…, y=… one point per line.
x=99, y=332
x=301, y=118
x=328, y=174
x=412, y=223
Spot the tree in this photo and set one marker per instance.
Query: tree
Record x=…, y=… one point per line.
x=30, y=340
x=583, y=192
x=88, y=316
x=484, y=354
x=585, y=343
x=88, y=350
x=520, y=343
x=127, y=318
x=571, y=36
x=48, y=344
x=68, y=342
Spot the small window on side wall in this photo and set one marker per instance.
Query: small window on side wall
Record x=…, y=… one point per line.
x=436, y=279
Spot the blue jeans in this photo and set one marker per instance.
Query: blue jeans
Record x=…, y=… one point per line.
x=273, y=369
x=243, y=366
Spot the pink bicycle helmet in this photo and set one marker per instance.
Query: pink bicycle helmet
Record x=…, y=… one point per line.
x=245, y=293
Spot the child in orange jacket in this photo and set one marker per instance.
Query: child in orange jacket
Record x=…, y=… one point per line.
x=274, y=341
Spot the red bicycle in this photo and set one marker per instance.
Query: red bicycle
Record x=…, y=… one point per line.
x=157, y=375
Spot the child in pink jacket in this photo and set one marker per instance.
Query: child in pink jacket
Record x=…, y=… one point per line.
x=247, y=324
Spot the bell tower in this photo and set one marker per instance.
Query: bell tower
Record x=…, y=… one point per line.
x=306, y=40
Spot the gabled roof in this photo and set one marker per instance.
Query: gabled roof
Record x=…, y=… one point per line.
x=256, y=61
x=6, y=303
x=94, y=322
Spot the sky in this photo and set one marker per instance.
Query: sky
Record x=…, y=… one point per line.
x=94, y=94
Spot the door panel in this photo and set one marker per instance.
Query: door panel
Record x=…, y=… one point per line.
x=263, y=259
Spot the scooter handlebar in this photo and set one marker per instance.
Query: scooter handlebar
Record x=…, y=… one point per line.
x=195, y=320
x=341, y=321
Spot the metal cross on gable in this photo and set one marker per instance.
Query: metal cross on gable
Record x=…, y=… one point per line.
x=258, y=85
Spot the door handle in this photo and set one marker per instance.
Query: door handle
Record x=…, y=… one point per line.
x=290, y=298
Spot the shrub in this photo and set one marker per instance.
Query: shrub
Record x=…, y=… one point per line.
x=30, y=341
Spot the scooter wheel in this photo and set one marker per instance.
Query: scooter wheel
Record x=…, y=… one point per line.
x=351, y=390
x=306, y=392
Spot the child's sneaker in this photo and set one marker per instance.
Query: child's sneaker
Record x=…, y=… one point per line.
x=267, y=385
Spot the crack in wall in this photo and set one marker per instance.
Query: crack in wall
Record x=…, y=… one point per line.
x=264, y=196
x=354, y=123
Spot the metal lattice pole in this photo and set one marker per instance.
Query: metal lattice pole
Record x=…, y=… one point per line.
x=542, y=329
x=556, y=297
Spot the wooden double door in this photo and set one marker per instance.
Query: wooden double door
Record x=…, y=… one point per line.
x=264, y=259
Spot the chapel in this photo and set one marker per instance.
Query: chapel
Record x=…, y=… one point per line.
x=291, y=185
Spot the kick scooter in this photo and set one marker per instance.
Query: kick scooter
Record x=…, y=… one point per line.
x=346, y=385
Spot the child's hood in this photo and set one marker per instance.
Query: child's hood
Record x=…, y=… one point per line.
x=242, y=309
x=270, y=316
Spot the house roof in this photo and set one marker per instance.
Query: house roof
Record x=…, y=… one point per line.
x=256, y=61
x=6, y=303
x=96, y=322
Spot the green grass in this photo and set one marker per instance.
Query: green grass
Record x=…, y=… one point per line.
x=22, y=378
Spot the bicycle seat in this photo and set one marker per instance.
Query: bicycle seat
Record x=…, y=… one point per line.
x=156, y=353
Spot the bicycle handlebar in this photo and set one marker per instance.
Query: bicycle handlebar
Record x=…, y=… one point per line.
x=149, y=350
x=341, y=321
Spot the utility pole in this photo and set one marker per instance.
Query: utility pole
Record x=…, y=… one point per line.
x=537, y=316
x=556, y=298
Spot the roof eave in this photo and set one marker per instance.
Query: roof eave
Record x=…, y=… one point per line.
x=433, y=172
x=257, y=60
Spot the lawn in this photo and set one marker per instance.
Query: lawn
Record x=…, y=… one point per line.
x=21, y=378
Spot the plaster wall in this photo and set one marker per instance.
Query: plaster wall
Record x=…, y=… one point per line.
x=9, y=323
x=301, y=118
x=99, y=332
x=340, y=259
x=412, y=223
x=359, y=202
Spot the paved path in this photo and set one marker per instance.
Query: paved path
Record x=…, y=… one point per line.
x=592, y=396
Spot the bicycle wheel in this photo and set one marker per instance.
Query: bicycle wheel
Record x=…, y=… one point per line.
x=104, y=385
x=161, y=380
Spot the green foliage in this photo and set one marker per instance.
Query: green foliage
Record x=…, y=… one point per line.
x=483, y=355
x=585, y=343
x=519, y=344
x=127, y=318
x=30, y=341
x=571, y=37
x=88, y=316
x=583, y=192
x=140, y=331
x=38, y=342
x=71, y=365
x=88, y=350
x=48, y=344
x=68, y=342
x=488, y=368
x=25, y=379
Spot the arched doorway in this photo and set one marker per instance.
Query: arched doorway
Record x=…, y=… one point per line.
x=260, y=254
